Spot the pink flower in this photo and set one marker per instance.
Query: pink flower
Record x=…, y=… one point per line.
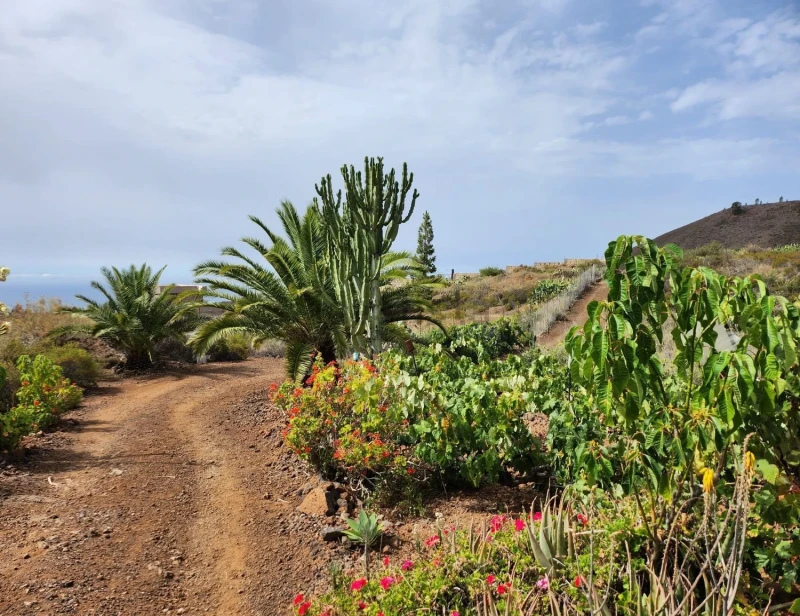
x=519, y=525
x=490, y=579
x=454, y=613
x=501, y=589
x=407, y=564
x=578, y=581
x=537, y=517
x=387, y=582
x=432, y=541
x=497, y=522
x=303, y=608
x=358, y=584
x=543, y=583
x=298, y=598
x=583, y=519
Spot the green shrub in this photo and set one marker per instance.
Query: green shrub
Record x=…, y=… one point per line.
x=457, y=421
x=42, y=396
x=491, y=271
x=482, y=341
x=232, y=348
x=663, y=429
x=736, y=207
x=76, y=364
x=547, y=289
x=9, y=385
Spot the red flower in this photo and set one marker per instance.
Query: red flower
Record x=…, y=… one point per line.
x=497, y=522
x=387, y=582
x=432, y=541
x=362, y=605
x=36, y=403
x=298, y=598
x=578, y=581
x=407, y=564
x=501, y=589
x=297, y=392
x=537, y=517
x=303, y=608
x=410, y=471
x=519, y=525
x=583, y=519
x=273, y=388
x=358, y=584
x=385, y=561
x=490, y=579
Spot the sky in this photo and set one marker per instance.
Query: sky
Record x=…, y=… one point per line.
x=147, y=130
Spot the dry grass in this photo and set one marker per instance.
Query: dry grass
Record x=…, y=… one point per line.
x=487, y=298
x=30, y=323
x=780, y=269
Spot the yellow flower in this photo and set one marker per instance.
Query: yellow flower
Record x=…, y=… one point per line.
x=749, y=461
x=708, y=481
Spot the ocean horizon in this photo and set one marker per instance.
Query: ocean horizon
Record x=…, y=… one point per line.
x=21, y=290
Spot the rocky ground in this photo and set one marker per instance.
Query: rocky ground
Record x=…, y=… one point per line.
x=174, y=494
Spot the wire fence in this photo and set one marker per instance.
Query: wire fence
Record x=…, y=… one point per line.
x=539, y=320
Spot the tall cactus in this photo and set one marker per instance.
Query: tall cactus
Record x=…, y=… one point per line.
x=360, y=231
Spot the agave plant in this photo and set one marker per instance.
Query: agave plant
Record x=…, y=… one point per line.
x=290, y=295
x=366, y=530
x=555, y=541
x=136, y=315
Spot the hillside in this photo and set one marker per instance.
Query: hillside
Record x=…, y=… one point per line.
x=768, y=225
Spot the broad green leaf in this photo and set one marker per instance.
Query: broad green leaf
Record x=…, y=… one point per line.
x=769, y=472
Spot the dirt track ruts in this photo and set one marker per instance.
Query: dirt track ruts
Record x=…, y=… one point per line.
x=159, y=500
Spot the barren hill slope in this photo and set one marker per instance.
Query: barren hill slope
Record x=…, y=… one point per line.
x=767, y=225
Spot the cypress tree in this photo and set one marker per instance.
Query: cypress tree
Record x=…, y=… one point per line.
x=425, y=253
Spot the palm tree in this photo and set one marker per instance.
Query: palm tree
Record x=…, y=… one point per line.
x=136, y=315
x=291, y=297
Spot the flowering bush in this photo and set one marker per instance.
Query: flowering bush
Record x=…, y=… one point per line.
x=346, y=422
x=43, y=395
x=580, y=554
x=455, y=419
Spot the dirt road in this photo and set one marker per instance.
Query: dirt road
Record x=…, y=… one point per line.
x=167, y=495
x=575, y=316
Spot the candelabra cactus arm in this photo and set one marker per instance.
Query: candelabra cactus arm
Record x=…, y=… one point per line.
x=360, y=231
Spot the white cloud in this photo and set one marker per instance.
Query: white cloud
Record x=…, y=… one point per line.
x=155, y=125
x=776, y=97
x=617, y=120
x=701, y=159
x=761, y=61
x=590, y=29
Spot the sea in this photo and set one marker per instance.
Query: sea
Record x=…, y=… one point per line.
x=29, y=289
